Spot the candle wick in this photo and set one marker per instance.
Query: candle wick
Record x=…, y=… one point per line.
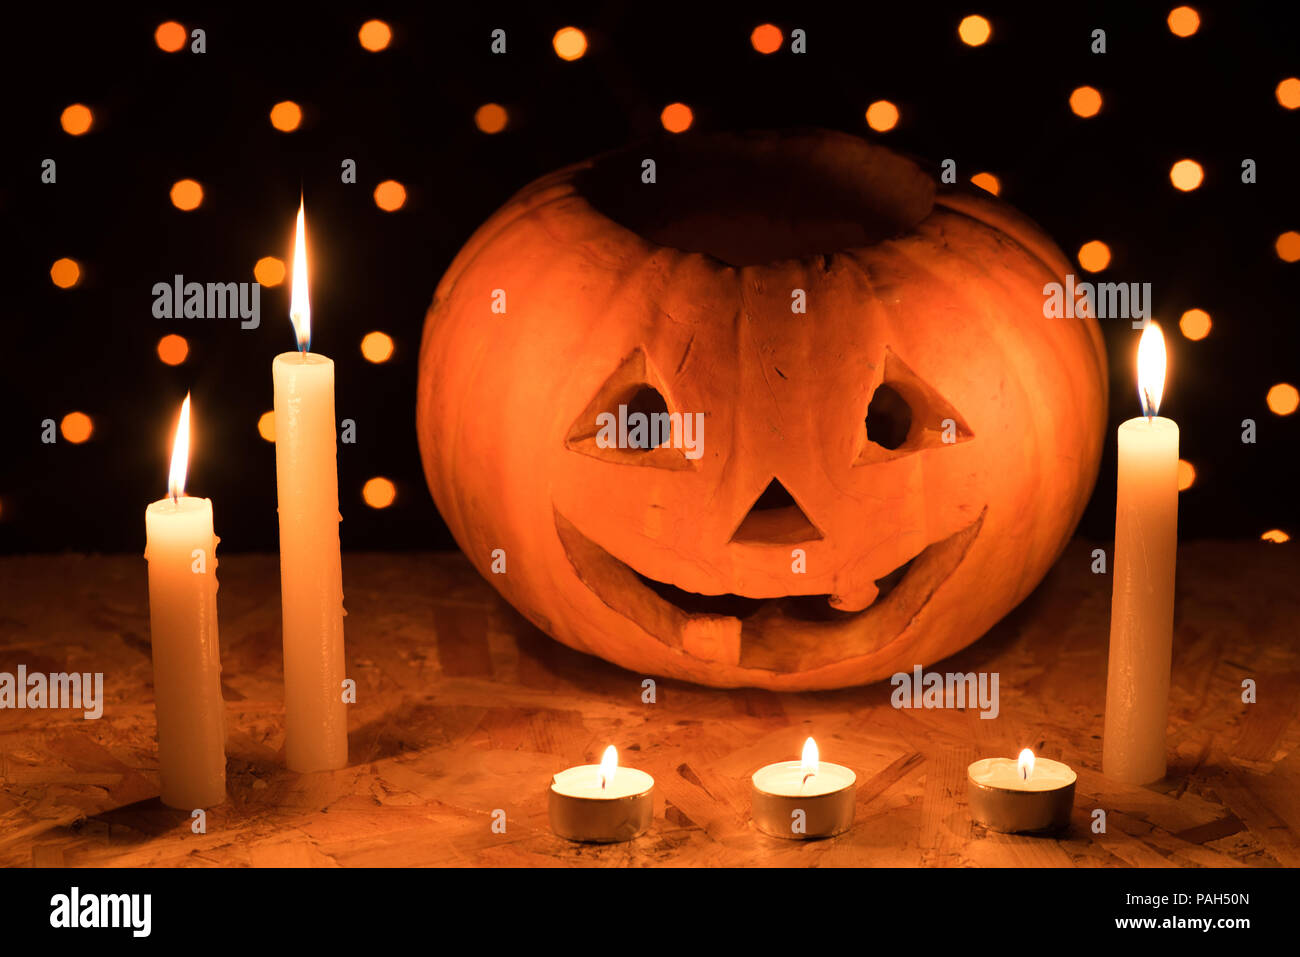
x=805, y=779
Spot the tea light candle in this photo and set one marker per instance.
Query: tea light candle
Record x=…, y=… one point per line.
x=601, y=803
x=803, y=799
x=1022, y=796
x=1142, y=596
x=181, y=552
x=311, y=571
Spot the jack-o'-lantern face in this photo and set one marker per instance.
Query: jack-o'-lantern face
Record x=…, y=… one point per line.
x=712, y=446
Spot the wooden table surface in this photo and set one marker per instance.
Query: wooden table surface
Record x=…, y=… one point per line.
x=465, y=708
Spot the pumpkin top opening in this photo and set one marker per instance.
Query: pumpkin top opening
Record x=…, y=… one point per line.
x=756, y=198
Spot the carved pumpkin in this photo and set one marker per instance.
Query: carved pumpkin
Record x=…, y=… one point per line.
x=880, y=478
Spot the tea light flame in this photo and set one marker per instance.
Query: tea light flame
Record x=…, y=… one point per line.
x=1026, y=764
x=180, y=453
x=608, y=765
x=299, y=305
x=810, y=760
x=1151, y=363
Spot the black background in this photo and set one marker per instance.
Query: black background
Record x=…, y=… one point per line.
x=407, y=114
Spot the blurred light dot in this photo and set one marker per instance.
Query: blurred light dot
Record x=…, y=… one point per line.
x=882, y=116
x=266, y=426
x=987, y=181
x=1094, y=256
x=1288, y=93
x=1186, y=175
x=76, y=119
x=1195, y=324
x=187, y=194
x=1288, y=246
x=766, y=38
x=974, y=30
x=1275, y=535
x=170, y=36
x=570, y=43
x=65, y=273
x=173, y=349
x=1283, y=399
x=285, y=116
x=76, y=427
x=379, y=493
x=269, y=271
x=677, y=117
x=1186, y=475
x=1184, y=21
x=377, y=346
x=490, y=118
x=375, y=35
x=390, y=195
x=1085, y=101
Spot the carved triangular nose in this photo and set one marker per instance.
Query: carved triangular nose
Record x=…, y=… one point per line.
x=775, y=519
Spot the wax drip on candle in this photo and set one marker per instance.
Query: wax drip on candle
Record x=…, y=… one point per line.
x=1151, y=362
x=180, y=454
x=299, y=304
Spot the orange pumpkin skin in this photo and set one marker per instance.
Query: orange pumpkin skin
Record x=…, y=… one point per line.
x=937, y=294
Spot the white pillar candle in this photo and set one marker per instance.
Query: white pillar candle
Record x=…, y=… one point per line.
x=1142, y=599
x=181, y=552
x=311, y=572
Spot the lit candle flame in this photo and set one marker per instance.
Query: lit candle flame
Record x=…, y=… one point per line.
x=809, y=761
x=180, y=453
x=1026, y=764
x=299, y=306
x=1151, y=369
x=608, y=765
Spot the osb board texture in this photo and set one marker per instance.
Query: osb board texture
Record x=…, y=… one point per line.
x=464, y=708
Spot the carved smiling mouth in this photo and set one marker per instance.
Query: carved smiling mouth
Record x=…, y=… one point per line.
x=794, y=632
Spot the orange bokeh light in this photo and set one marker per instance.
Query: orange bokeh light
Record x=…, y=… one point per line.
x=1288, y=246
x=766, y=38
x=375, y=35
x=286, y=116
x=65, y=273
x=1085, y=101
x=390, y=195
x=882, y=116
x=1283, y=399
x=76, y=119
x=377, y=346
x=269, y=271
x=1186, y=475
x=173, y=349
x=974, y=30
x=490, y=117
x=570, y=43
x=1184, y=21
x=1288, y=92
x=379, y=492
x=186, y=194
x=1186, y=175
x=1275, y=535
x=677, y=117
x=1195, y=324
x=170, y=37
x=266, y=426
x=1094, y=256
x=988, y=182
x=76, y=427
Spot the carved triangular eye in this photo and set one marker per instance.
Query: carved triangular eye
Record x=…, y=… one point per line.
x=906, y=414
x=629, y=421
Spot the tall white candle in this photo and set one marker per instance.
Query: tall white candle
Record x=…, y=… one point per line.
x=311, y=573
x=181, y=552
x=1142, y=599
